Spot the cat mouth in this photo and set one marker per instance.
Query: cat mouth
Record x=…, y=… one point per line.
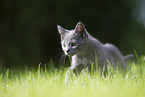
x=71, y=54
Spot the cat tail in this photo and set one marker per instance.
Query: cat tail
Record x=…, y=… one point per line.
x=129, y=57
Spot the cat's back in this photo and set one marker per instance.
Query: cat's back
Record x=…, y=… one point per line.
x=111, y=49
x=95, y=43
x=114, y=55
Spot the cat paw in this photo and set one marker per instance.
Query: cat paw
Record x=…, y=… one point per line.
x=69, y=76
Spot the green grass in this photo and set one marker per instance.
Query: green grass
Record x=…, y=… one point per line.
x=46, y=82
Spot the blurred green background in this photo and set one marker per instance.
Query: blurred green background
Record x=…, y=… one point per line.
x=28, y=28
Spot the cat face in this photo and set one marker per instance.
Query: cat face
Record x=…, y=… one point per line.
x=73, y=41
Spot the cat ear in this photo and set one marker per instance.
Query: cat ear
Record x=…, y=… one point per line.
x=80, y=29
x=61, y=31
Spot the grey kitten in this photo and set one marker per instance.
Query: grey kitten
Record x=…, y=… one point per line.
x=83, y=49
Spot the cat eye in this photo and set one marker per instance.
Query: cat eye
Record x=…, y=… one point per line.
x=73, y=44
x=64, y=45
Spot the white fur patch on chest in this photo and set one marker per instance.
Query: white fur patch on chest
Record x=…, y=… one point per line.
x=76, y=60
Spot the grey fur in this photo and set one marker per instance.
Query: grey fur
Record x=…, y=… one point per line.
x=83, y=49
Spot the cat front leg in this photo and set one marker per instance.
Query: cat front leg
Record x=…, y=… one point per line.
x=69, y=75
x=75, y=69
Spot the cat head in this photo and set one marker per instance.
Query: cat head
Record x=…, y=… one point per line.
x=73, y=41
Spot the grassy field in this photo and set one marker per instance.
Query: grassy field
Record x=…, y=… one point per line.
x=46, y=82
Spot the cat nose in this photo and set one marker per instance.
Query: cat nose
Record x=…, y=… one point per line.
x=67, y=50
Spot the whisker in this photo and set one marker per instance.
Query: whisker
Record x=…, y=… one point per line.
x=58, y=57
x=79, y=52
x=64, y=60
x=61, y=58
x=59, y=54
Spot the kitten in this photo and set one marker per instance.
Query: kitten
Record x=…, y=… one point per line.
x=83, y=49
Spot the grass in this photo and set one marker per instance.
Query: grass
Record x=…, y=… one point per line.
x=46, y=82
